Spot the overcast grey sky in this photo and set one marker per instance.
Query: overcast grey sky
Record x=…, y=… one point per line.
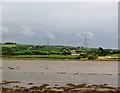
x=64, y=23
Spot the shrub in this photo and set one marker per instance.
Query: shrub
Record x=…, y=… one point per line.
x=92, y=57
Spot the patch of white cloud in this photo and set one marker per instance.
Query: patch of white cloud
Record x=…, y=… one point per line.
x=50, y=35
x=5, y=30
x=89, y=34
x=27, y=31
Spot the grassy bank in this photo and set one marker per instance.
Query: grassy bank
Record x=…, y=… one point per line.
x=52, y=57
x=55, y=57
x=22, y=51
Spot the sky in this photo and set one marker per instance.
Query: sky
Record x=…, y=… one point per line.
x=64, y=23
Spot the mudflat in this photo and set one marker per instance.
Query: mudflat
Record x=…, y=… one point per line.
x=29, y=73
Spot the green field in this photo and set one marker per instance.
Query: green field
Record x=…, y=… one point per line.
x=115, y=56
x=55, y=52
x=8, y=45
x=47, y=56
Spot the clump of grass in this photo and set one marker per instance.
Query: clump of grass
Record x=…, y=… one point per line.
x=84, y=85
x=43, y=86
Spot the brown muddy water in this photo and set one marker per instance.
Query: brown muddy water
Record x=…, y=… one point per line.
x=38, y=72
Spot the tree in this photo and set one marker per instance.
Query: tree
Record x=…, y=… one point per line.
x=7, y=51
x=100, y=51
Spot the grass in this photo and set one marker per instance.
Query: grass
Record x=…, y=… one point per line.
x=50, y=48
x=46, y=56
x=8, y=45
x=54, y=57
x=43, y=52
x=115, y=56
x=23, y=51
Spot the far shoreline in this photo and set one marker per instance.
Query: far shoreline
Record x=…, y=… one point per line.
x=51, y=59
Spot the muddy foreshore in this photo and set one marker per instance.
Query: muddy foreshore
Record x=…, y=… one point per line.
x=69, y=88
x=46, y=76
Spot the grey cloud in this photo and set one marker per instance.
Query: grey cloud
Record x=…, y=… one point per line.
x=27, y=31
x=64, y=23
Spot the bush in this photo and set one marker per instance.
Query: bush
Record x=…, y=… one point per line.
x=7, y=51
x=83, y=56
x=92, y=57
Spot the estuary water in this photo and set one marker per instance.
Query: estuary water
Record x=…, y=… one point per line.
x=54, y=72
